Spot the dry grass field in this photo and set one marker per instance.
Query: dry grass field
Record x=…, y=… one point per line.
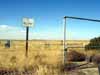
x=44, y=57
x=41, y=56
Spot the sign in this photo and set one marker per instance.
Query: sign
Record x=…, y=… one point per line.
x=7, y=44
x=28, y=22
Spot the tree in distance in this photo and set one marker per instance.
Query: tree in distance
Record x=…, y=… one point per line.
x=94, y=44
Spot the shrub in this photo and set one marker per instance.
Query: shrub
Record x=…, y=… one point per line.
x=96, y=59
x=75, y=56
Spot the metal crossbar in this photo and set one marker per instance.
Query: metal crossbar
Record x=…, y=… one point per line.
x=83, y=47
x=95, y=20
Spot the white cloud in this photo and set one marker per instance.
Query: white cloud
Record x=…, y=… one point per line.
x=3, y=26
x=13, y=32
x=22, y=31
x=6, y=27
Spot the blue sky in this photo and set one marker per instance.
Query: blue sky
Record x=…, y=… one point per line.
x=48, y=16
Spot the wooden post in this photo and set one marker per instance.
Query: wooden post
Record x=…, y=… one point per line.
x=27, y=32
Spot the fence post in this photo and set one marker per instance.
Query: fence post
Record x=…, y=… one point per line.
x=64, y=43
x=99, y=68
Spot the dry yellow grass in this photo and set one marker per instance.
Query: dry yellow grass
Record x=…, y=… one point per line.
x=47, y=55
x=49, y=51
x=39, y=52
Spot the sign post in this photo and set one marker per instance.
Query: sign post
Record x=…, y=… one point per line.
x=27, y=22
x=27, y=32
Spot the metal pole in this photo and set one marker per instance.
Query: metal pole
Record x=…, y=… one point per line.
x=27, y=31
x=65, y=50
x=99, y=68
